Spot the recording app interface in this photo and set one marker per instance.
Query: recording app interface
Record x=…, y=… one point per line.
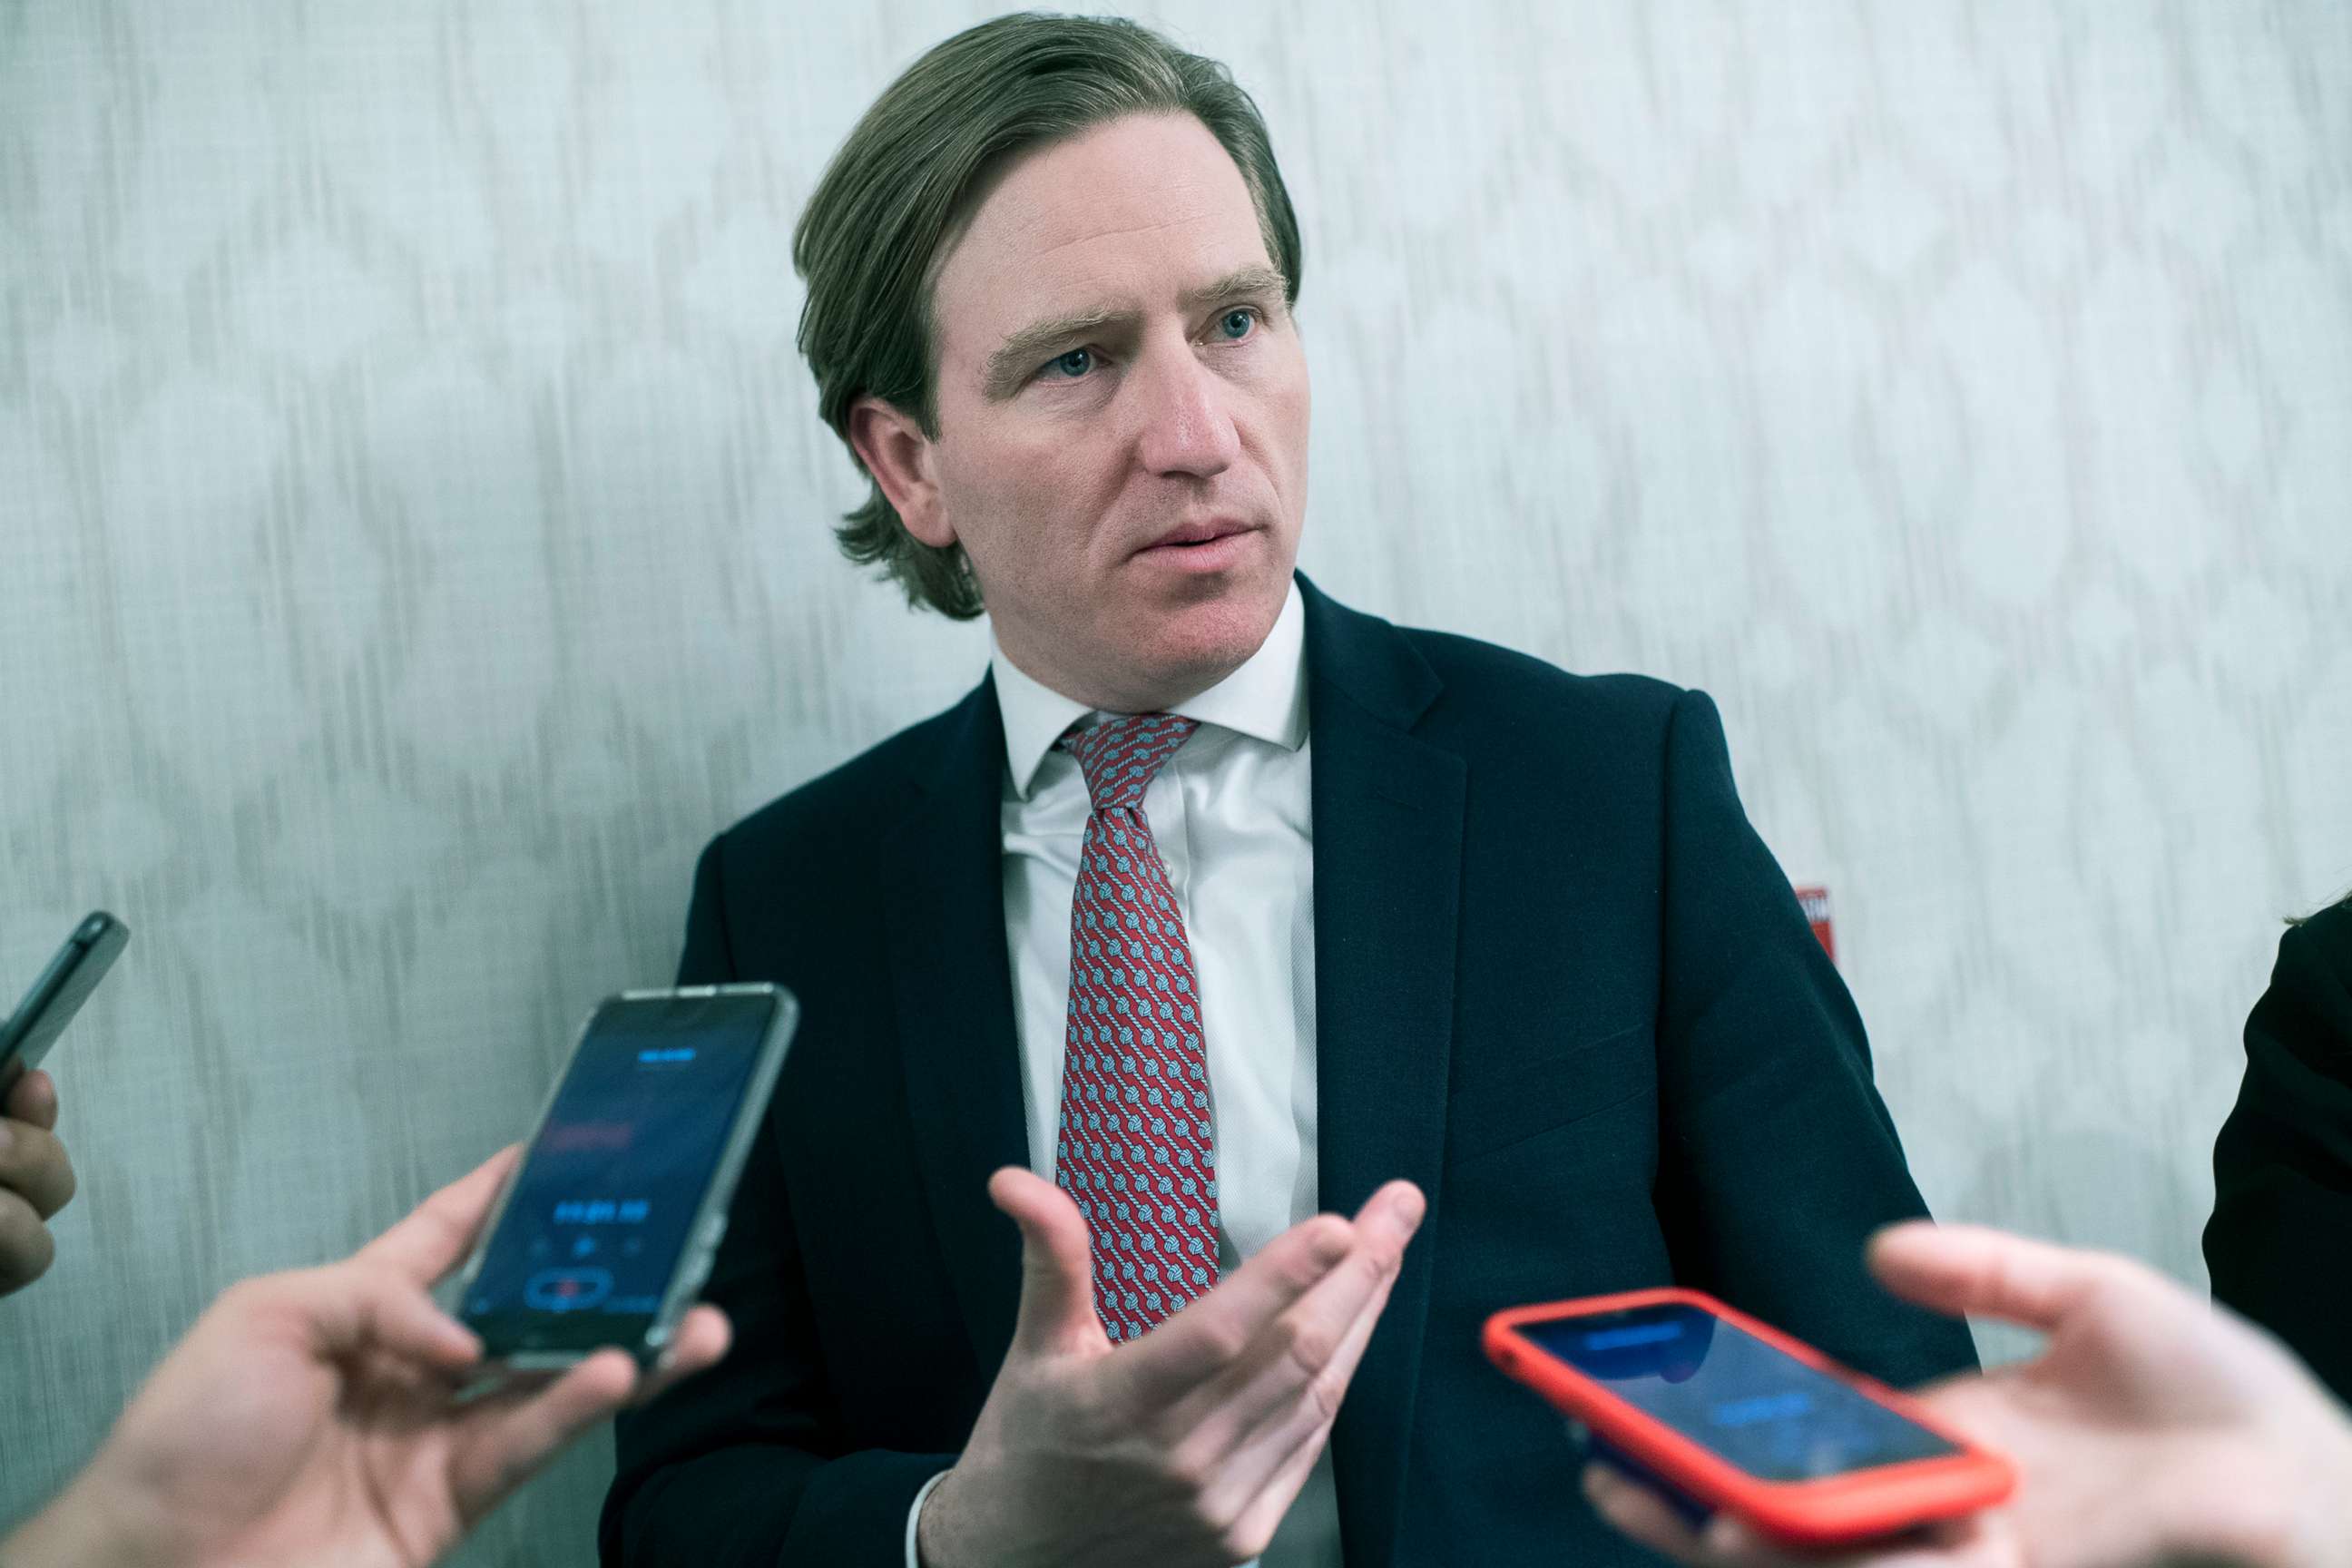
x=608, y=1192
x=1771, y=1415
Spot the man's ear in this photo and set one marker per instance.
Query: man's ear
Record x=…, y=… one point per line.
x=901, y=458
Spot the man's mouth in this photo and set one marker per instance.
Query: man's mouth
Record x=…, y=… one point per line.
x=1192, y=535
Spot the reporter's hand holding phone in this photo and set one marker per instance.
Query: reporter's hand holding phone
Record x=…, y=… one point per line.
x=37, y=1179
x=2154, y=1427
x=1188, y=1445
x=307, y=1419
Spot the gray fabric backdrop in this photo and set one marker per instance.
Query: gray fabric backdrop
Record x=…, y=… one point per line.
x=415, y=523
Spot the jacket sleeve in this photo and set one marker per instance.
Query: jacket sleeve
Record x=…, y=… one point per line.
x=747, y=1464
x=2281, y=1226
x=1776, y=1157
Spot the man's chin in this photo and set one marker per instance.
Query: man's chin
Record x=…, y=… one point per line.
x=1198, y=644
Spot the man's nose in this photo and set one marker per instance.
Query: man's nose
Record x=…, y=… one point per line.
x=1187, y=415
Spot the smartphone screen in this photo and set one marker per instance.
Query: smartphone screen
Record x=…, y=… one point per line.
x=603, y=1206
x=1747, y=1402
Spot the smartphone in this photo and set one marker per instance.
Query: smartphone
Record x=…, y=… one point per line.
x=27, y=1034
x=607, y=1229
x=1719, y=1412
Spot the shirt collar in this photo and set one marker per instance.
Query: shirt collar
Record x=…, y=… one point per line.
x=1265, y=698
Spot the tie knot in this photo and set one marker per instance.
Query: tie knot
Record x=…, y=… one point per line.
x=1121, y=756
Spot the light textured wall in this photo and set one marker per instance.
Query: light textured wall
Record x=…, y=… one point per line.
x=415, y=538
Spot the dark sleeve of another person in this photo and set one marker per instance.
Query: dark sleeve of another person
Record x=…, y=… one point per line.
x=2280, y=1242
x=1777, y=1158
x=746, y=1464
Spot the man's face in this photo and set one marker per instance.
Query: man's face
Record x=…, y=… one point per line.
x=1122, y=414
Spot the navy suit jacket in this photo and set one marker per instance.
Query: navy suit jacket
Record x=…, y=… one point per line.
x=1560, y=984
x=2280, y=1242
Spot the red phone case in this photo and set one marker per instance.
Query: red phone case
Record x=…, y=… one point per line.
x=1834, y=1510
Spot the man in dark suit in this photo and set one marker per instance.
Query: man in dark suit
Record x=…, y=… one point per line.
x=1217, y=912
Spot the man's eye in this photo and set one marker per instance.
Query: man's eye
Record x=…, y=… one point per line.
x=1071, y=366
x=1238, y=322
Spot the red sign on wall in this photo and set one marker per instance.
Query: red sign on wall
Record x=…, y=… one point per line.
x=1815, y=902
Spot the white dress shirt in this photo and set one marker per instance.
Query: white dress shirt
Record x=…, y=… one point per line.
x=1231, y=811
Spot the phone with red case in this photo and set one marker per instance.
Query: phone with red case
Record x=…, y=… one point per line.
x=1722, y=1413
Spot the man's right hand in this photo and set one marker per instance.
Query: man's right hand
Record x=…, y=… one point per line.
x=1186, y=1447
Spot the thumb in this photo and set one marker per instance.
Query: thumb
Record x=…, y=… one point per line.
x=437, y=1233
x=1057, y=1297
x=1974, y=1269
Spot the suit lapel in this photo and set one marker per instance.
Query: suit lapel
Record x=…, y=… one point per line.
x=1388, y=875
x=952, y=995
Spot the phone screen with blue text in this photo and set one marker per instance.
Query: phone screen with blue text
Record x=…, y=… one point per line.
x=1745, y=1401
x=604, y=1207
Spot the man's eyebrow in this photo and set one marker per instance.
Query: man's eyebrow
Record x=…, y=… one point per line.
x=1237, y=284
x=1008, y=368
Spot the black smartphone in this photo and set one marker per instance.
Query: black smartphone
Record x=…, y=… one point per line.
x=28, y=1033
x=608, y=1227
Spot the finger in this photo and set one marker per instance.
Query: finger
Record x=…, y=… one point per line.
x=1216, y=1331
x=511, y=1439
x=702, y=1340
x=33, y=1099
x=1973, y=1270
x=361, y=1306
x=33, y=1164
x=1277, y=1450
x=1946, y=1544
x=1724, y=1541
x=1306, y=1355
x=1634, y=1510
x=1265, y=1511
x=1273, y=1461
x=26, y=1248
x=1057, y=1295
x=439, y=1232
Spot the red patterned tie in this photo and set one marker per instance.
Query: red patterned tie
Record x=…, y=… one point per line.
x=1136, y=1150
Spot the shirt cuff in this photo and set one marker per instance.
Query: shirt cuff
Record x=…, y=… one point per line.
x=914, y=1515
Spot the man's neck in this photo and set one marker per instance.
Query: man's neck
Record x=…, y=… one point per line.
x=1157, y=693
